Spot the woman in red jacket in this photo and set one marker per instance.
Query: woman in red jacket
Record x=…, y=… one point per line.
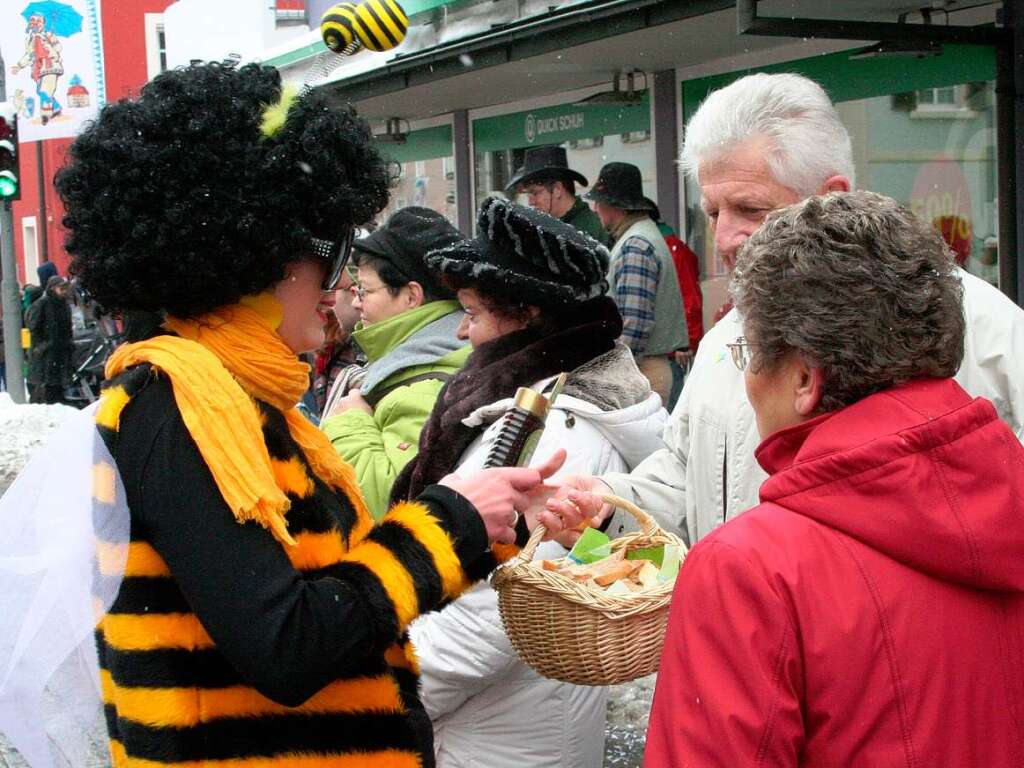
x=870, y=611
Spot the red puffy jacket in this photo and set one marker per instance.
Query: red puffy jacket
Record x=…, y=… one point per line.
x=870, y=611
x=688, y=274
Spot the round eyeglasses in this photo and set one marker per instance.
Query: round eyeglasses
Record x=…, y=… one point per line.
x=741, y=352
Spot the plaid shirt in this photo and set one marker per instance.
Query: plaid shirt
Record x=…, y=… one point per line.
x=636, y=285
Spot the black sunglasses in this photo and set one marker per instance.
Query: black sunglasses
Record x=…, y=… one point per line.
x=336, y=253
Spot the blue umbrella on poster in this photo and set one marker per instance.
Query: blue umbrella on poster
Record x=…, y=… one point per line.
x=60, y=18
x=48, y=22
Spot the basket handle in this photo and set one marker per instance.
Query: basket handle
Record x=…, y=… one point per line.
x=647, y=525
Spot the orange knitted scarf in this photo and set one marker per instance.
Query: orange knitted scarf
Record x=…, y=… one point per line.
x=217, y=364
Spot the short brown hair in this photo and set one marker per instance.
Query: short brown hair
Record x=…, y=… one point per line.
x=859, y=286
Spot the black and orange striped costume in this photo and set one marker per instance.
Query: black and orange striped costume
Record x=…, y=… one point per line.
x=225, y=648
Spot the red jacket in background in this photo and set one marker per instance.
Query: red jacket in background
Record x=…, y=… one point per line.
x=870, y=611
x=688, y=274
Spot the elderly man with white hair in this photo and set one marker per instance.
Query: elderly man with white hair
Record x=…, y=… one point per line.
x=757, y=145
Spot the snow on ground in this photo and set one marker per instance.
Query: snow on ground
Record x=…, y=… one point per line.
x=24, y=429
x=629, y=706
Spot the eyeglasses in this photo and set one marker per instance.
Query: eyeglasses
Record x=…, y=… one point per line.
x=362, y=292
x=336, y=254
x=741, y=353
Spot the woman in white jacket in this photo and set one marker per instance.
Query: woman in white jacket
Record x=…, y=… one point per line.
x=533, y=291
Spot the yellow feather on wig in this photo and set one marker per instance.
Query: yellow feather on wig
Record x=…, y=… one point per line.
x=274, y=115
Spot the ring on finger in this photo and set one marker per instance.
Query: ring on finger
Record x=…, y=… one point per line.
x=515, y=518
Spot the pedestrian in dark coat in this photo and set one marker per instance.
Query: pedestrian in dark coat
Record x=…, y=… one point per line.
x=30, y=296
x=550, y=187
x=45, y=271
x=50, y=325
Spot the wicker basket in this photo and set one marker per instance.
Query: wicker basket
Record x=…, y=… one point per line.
x=576, y=632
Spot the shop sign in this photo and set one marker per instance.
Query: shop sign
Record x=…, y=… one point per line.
x=539, y=127
x=555, y=125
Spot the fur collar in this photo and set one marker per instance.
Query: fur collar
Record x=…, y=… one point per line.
x=495, y=371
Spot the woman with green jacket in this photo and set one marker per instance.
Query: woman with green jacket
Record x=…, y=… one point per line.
x=408, y=334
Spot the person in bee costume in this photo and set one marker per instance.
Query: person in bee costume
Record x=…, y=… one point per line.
x=255, y=614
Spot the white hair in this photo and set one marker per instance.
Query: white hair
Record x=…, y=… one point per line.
x=809, y=142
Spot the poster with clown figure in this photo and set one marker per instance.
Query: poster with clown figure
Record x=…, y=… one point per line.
x=53, y=56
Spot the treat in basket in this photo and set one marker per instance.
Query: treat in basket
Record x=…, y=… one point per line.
x=621, y=572
x=568, y=626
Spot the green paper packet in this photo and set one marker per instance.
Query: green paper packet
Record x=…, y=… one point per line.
x=654, y=554
x=670, y=564
x=592, y=545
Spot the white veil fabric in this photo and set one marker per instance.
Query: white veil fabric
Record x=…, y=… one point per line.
x=61, y=505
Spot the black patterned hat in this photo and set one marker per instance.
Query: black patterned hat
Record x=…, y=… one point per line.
x=527, y=255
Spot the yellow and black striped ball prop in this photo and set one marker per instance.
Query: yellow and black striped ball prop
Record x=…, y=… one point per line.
x=374, y=24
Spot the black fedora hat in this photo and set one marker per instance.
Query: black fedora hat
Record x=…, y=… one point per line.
x=620, y=186
x=545, y=164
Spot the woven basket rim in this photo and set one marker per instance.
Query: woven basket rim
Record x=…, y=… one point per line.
x=588, y=596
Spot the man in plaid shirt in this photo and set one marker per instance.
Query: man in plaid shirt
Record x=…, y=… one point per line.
x=635, y=275
x=642, y=275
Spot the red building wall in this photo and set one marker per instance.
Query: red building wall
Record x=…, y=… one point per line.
x=124, y=57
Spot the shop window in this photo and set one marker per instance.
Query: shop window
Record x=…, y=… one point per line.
x=156, y=45
x=589, y=143
x=945, y=102
x=495, y=169
x=288, y=12
x=30, y=246
x=938, y=97
x=635, y=137
x=943, y=169
x=427, y=183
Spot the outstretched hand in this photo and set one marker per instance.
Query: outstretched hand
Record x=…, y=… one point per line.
x=549, y=503
x=498, y=494
x=564, y=507
x=579, y=494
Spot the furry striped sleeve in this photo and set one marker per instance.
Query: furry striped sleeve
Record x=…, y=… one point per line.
x=420, y=556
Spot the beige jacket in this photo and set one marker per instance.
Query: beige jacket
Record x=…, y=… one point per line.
x=708, y=473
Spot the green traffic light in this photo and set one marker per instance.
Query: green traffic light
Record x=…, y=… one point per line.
x=8, y=186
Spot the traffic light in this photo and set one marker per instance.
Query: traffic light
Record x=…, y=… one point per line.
x=10, y=180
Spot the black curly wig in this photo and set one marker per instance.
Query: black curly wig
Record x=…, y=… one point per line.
x=177, y=201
